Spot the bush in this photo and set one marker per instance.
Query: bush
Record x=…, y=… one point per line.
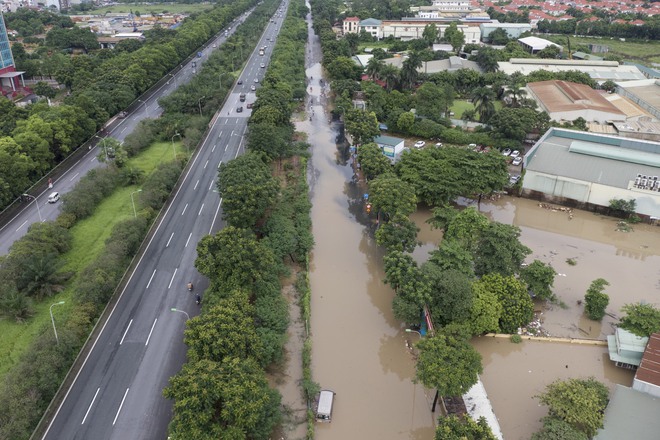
x=98, y=184
x=595, y=300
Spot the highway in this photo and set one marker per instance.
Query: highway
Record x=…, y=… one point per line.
x=117, y=128
x=117, y=393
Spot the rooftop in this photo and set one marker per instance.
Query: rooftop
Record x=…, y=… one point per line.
x=370, y=22
x=649, y=369
x=388, y=140
x=563, y=96
x=630, y=414
x=646, y=89
x=537, y=43
x=600, y=71
x=629, y=108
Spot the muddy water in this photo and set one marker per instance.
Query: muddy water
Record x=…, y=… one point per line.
x=359, y=349
x=514, y=373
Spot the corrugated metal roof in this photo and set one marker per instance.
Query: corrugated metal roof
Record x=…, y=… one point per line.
x=562, y=96
x=388, y=140
x=630, y=414
x=649, y=369
x=553, y=156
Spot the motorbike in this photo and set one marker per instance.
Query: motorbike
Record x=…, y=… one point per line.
x=190, y=287
x=198, y=299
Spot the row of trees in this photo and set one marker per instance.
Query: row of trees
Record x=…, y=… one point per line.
x=101, y=84
x=243, y=323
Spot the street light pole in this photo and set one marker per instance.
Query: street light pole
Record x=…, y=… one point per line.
x=37, y=204
x=53, y=319
x=180, y=311
x=133, y=201
x=173, y=150
x=409, y=330
x=199, y=103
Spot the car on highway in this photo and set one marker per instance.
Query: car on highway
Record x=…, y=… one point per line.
x=517, y=161
x=239, y=109
x=253, y=87
x=262, y=65
x=419, y=144
x=249, y=105
x=256, y=80
x=122, y=115
x=515, y=153
x=215, y=45
x=240, y=82
x=506, y=151
x=53, y=197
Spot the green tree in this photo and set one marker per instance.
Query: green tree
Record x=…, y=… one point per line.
x=400, y=233
x=641, y=319
x=483, y=99
x=499, y=37
x=539, y=278
x=447, y=364
x=409, y=73
x=486, y=310
x=43, y=89
x=462, y=427
x=412, y=288
x=454, y=36
x=372, y=161
x=513, y=123
x=405, y=122
x=487, y=59
x=389, y=74
x=361, y=125
x=451, y=295
x=579, y=402
x=609, y=86
x=433, y=101
x=596, y=300
x=499, y=250
x=557, y=429
x=247, y=188
x=390, y=195
x=517, y=306
x=375, y=67
x=430, y=34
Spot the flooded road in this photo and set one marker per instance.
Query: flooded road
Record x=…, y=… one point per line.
x=514, y=373
x=359, y=349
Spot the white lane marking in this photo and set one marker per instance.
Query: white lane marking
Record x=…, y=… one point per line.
x=92, y=159
x=172, y=279
x=74, y=176
x=211, y=184
x=220, y=133
x=188, y=241
x=184, y=209
x=152, y=277
x=120, y=405
x=232, y=132
x=22, y=224
x=213, y=149
x=238, y=149
x=123, y=129
x=215, y=216
x=170, y=239
x=200, y=210
x=219, y=163
x=126, y=331
x=196, y=183
x=90, y=405
x=207, y=162
x=151, y=331
x=226, y=148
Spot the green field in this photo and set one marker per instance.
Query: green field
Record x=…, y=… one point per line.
x=177, y=8
x=643, y=52
x=89, y=237
x=461, y=105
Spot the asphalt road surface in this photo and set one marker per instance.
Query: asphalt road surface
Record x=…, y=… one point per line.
x=40, y=210
x=118, y=392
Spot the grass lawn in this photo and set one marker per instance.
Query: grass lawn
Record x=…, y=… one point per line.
x=89, y=237
x=461, y=105
x=643, y=52
x=178, y=8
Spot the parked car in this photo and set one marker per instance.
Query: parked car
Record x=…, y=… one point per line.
x=515, y=153
x=438, y=144
x=514, y=179
x=506, y=151
x=122, y=115
x=517, y=161
x=419, y=144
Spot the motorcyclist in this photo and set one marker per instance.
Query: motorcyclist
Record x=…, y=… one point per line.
x=190, y=286
x=198, y=299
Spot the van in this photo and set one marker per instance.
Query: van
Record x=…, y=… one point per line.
x=53, y=197
x=324, y=406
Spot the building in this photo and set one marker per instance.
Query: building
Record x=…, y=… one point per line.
x=642, y=129
x=626, y=348
x=351, y=25
x=599, y=71
x=567, y=101
x=535, y=45
x=632, y=111
x=585, y=56
x=372, y=27
x=441, y=8
x=452, y=64
x=598, y=48
x=588, y=170
x=630, y=415
x=513, y=30
x=412, y=29
x=11, y=81
x=392, y=147
x=645, y=93
x=647, y=378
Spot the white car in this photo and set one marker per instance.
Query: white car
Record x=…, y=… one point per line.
x=253, y=87
x=439, y=144
x=515, y=153
x=517, y=161
x=419, y=144
x=262, y=65
x=256, y=80
x=514, y=179
x=506, y=151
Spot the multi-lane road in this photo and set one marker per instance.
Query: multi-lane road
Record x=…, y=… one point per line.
x=117, y=393
x=117, y=128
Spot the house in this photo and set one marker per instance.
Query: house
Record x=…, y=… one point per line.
x=588, y=170
x=647, y=378
x=645, y=93
x=452, y=64
x=599, y=71
x=626, y=348
x=351, y=25
x=630, y=414
x=567, y=101
x=391, y=147
x=372, y=27
x=535, y=45
x=413, y=28
x=585, y=56
x=513, y=30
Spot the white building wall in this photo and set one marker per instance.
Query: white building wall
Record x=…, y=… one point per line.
x=589, y=115
x=646, y=387
x=411, y=31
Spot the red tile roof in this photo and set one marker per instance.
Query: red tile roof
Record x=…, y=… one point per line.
x=649, y=369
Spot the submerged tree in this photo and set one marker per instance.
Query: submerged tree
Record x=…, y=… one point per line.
x=596, y=300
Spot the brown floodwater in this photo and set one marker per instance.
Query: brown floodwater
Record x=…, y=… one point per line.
x=630, y=262
x=359, y=349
